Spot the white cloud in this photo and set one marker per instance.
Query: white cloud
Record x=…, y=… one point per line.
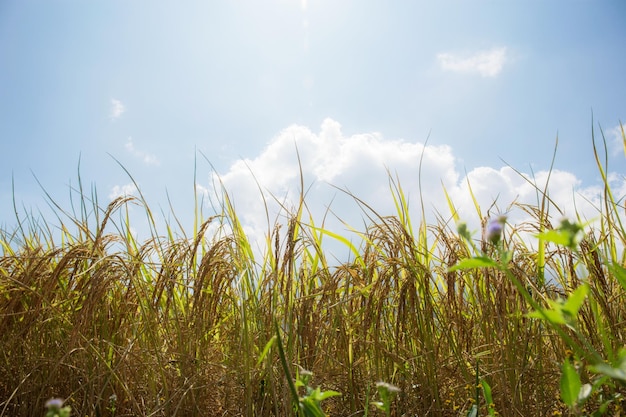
x=616, y=140
x=147, y=158
x=117, y=109
x=360, y=163
x=122, y=191
x=617, y=183
x=357, y=163
x=487, y=63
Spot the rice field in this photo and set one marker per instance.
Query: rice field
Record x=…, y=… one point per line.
x=422, y=320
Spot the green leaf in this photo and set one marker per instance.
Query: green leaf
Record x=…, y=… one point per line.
x=555, y=236
x=344, y=241
x=619, y=272
x=553, y=316
x=570, y=384
x=283, y=361
x=486, y=391
x=311, y=408
x=616, y=371
x=327, y=394
x=575, y=300
x=563, y=311
x=608, y=370
x=488, y=397
x=567, y=234
x=266, y=349
x=473, y=263
x=507, y=256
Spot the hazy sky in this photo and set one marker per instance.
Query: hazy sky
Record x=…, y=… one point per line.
x=357, y=86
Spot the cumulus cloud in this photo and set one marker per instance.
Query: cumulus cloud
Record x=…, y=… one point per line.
x=357, y=164
x=334, y=165
x=488, y=63
x=147, y=158
x=122, y=191
x=117, y=109
x=617, y=140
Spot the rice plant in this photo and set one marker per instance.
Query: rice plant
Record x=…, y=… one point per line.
x=201, y=324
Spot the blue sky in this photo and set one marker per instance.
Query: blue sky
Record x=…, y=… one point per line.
x=359, y=86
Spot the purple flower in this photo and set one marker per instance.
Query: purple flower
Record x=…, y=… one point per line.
x=493, y=231
x=54, y=404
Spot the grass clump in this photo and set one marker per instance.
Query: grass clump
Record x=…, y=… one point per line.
x=201, y=325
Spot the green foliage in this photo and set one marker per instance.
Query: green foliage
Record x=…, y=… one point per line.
x=558, y=314
x=386, y=392
x=491, y=408
x=570, y=384
x=568, y=234
x=615, y=370
x=309, y=404
x=475, y=262
x=563, y=311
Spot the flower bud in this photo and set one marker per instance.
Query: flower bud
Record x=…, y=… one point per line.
x=495, y=226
